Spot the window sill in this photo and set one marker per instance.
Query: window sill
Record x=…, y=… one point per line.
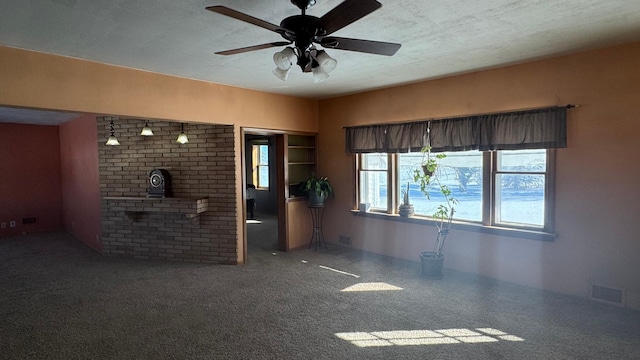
x=493, y=230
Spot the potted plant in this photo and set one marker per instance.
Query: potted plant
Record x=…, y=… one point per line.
x=318, y=190
x=406, y=209
x=429, y=164
x=432, y=261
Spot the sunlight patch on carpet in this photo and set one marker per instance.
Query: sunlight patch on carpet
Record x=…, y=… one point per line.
x=426, y=337
x=372, y=286
x=339, y=271
x=253, y=221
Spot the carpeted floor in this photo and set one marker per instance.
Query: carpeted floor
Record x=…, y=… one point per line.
x=59, y=300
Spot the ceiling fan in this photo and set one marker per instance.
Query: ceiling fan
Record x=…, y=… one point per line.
x=305, y=31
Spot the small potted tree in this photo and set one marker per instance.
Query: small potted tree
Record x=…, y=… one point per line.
x=318, y=190
x=406, y=208
x=432, y=261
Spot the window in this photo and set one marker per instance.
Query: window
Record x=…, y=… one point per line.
x=507, y=188
x=373, y=177
x=460, y=171
x=260, y=155
x=520, y=186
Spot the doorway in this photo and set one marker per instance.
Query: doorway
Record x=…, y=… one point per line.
x=261, y=183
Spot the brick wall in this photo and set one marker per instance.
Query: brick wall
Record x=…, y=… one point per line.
x=204, y=168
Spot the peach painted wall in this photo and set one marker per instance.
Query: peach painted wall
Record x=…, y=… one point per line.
x=54, y=82
x=42, y=81
x=597, y=194
x=80, y=186
x=30, y=178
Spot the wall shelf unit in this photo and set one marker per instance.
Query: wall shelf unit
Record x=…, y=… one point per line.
x=297, y=156
x=300, y=159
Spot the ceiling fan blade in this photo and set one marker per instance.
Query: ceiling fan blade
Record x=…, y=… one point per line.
x=243, y=17
x=346, y=13
x=252, y=48
x=365, y=46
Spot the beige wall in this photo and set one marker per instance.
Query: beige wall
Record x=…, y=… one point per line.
x=597, y=201
x=42, y=81
x=596, y=206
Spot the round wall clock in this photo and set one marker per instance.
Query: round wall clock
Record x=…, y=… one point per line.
x=159, y=183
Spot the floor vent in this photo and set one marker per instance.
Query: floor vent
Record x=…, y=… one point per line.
x=29, y=220
x=602, y=293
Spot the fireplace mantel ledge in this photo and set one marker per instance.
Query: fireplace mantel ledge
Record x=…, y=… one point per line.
x=133, y=206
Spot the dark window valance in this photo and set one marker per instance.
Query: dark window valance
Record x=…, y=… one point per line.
x=386, y=138
x=365, y=139
x=459, y=134
x=535, y=129
x=530, y=129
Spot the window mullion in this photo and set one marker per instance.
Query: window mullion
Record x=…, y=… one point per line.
x=356, y=191
x=550, y=191
x=392, y=191
x=488, y=187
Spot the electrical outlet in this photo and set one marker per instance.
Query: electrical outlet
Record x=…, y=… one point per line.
x=12, y=223
x=3, y=225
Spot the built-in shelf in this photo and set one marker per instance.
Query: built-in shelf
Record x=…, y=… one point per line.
x=135, y=207
x=301, y=161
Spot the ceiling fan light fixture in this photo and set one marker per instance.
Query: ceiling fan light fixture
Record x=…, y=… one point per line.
x=326, y=62
x=281, y=74
x=284, y=59
x=319, y=75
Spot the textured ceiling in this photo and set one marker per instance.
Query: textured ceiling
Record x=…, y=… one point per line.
x=439, y=38
x=34, y=117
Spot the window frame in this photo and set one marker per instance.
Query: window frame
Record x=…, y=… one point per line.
x=549, y=193
x=259, y=167
x=391, y=186
x=488, y=223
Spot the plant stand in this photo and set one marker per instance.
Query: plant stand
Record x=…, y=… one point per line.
x=317, y=236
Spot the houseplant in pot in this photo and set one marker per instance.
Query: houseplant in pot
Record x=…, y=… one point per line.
x=406, y=208
x=432, y=261
x=318, y=190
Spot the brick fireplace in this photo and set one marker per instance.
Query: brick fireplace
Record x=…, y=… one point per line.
x=198, y=223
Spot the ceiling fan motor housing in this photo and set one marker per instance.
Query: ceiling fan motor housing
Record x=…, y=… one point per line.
x=303, y=4
x=303, y=30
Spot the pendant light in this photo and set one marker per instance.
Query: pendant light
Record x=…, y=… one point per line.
x=112, y=140
x=146, y=130
x=182, y=137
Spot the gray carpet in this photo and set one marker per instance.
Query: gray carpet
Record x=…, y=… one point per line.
x=59, y=300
